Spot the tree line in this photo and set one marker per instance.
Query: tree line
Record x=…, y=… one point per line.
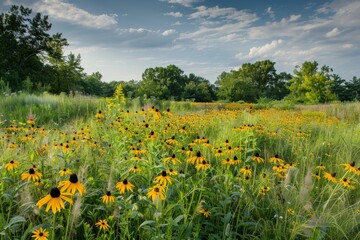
x=33, y=60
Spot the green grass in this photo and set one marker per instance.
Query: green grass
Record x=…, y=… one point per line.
x=48, y=109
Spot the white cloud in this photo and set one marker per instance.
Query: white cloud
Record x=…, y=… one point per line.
x=348, y=45
x=258, y=51
x=174, y=14
x=186, y=3
x=270, y=12
x=168, y=32
x=218, y=25
x=225, y=13
x=333, y=33
x=294, y=18
x=68, y=12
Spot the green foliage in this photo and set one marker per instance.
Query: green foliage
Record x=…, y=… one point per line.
x=310, y=85
x=252, y=82
x=48, y=109
x=172, y=84
x=23, y=43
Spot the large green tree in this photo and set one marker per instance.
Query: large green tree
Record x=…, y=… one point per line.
x=251, y=82
x=24, y=42
x=312, y=85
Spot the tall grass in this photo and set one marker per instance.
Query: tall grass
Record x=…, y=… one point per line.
x=47, y=108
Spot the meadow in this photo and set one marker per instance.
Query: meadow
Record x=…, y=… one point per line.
x=85, y=168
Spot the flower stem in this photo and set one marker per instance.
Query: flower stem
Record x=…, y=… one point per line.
x=53, y=228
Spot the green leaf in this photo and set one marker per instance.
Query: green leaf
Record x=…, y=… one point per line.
x=178, y=219
x=148, y=222
x=14, y=221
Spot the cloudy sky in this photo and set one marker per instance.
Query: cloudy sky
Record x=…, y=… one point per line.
x=121, y=38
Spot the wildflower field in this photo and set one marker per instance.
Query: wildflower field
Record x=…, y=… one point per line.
x=229, y=172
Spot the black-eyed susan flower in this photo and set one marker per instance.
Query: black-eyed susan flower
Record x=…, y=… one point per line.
x=31, y=175
x=189, y=152
x=40, y=234
x=135, y=169
x=257, y=158
x=276, y=160
x=30, y=121
x=229, y=150
x=291, y=211
x=205, y=212
x=163, y=178
x=264, y=190
x=196, y=159
x=99, y=115
x=330, y=177
x=227, y=161
x=156, y=193
x=236, y=160
x=321, y=167
x=347, y=183
x=65, y=171
x=124, y=185
x=350, y=167
x=246, y=171
x=54, y=200
x=219, y=153
x=103, y=225
x=172, y=172
x=204, y=165
x=172, y=141
x=173, y=159
x=72, y=185
x=11, y=165
x=316, y=176
x=108, y=198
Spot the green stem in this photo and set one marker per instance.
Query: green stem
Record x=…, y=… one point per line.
x=53, y=228
x=68, y=222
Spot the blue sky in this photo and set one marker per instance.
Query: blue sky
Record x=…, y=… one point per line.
x=121, y=38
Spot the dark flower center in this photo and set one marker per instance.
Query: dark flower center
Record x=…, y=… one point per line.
x=173, y=156
x=198, y=154
x=125, y=181
x=55, y=192
x=108, y=193
x=204, y=162
x=352, y=164
x=276, y=156
x=333, y=175
x=156, y=189
x=73, y=178
x=170, y=170
x=163, y=173
x=12, y=162
x=41, y=234
x=257, y=155
x=235, y=158
x=31, y=171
